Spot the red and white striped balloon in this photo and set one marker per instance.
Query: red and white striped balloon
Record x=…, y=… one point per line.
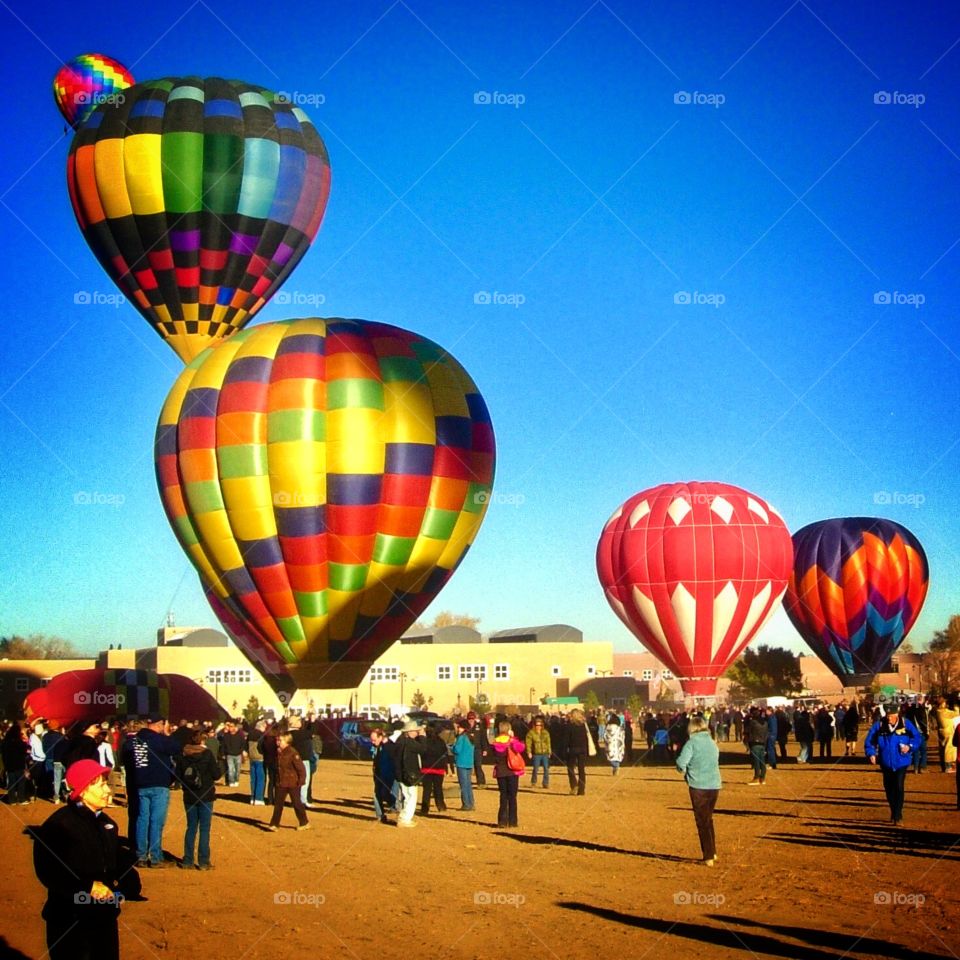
x=695, y=570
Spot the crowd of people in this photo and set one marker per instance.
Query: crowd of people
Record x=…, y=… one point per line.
x=148, y=759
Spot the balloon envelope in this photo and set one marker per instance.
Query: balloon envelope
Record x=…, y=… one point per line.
x=87, y=81
x=694, y=570
x=198, y=197
x=325, y=477
x=856, y=589
x=98, y=694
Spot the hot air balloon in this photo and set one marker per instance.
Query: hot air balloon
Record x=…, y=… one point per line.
x=694, y=570
x=85, y=82
x=325, y=477
x=103, y=694
x=856, y=589
x=198, y=197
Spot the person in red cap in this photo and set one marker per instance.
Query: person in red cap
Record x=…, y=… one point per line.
x=78, y=857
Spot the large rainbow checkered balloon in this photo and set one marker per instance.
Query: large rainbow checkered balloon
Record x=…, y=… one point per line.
x=198, y=197
x=857, y=587
x=694, y=570
x=85, y=82
x=325, y=477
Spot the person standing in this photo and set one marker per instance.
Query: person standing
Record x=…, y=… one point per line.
x=463, y=762
x=890, y=742
x=803, y=731
x=14, y=752
x=783, y=731
x=149, y=760
x=268, y=748
x=291, y=776
x=614, y=739
x=824, y=726
x=197, y=771
x=538, y=749
x=917, y=713
x=234, y=744
x=575, y=749
x=434, y=769
x=945, y=715
x=851, y=728
x=55, y=749
x=478, y=736
x=408, y=759
x=78, y=857
x=699, y=762
x=508, y=770
x=756, y=732
x=772, y=730
x=257, y=776
x=383, y=775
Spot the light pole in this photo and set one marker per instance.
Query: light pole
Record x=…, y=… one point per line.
x=370, y=698
x=403, y=677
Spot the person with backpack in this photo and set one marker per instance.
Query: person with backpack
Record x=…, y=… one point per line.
x=197, y=772
x=890, y=743
x=508, y=768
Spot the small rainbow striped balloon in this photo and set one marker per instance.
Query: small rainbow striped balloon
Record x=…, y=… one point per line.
x=325, y=478
x=81, y=85
x=856, y=589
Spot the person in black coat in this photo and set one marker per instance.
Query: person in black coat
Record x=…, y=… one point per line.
x=575, y=750
x=83, y=744
x=197, y=771
x=78, y=857
x=14, y=754
x=435, y=763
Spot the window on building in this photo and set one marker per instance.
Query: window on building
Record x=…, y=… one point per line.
x=382, y=674
x=667, y=675
x=473, y=671
x=229, y=675
x=501, y=671
x=21, y=684
x=444, y=672
x=628, y=673
x=591, y=670
x=647, y=675
x=556, y=671
x=45, y=681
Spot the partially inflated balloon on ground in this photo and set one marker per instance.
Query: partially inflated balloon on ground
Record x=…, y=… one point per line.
x=198, y=197
x=857, y=587
x=325, y=477
x=694, y=570
x=87, y=81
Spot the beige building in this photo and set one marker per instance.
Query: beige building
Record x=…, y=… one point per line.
x=447, y=667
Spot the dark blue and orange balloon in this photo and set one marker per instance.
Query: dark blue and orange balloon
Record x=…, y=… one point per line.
x=857, y=587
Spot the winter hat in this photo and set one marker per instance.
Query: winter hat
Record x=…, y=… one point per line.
x=81, y=774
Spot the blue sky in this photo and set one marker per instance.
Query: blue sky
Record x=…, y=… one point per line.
x=780, y=199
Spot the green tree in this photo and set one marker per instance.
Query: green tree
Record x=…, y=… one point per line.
x=418, y=701
x=635, y=705
x=251, y=712
x=591, y=701
x=764, y=672
x=37, y=647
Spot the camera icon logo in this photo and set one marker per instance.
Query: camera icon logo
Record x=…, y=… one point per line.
x=681, y=297
x=482, y=97
x=882, y=97
x=882, y=297
x=682, y=96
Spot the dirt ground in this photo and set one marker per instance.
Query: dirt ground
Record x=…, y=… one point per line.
x=808, y=867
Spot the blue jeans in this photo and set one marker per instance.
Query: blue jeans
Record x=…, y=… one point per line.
x=541, y=760
x=772, y=752
x=198, y=815
x=920, y=756
x=57, y=769
x=306, y=791
x=152, y=804
x=466, y=787
x=257, y=780
x=233, y=770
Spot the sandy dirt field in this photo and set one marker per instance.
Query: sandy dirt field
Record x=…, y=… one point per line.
x=808, y=867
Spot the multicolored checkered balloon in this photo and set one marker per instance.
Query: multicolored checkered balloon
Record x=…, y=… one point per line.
x=325, y=477
x=856, y=589
x=85, y=82
x=198, y=197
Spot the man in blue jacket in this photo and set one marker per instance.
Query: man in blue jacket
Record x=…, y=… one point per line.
x=890, y=742
x=148, y=757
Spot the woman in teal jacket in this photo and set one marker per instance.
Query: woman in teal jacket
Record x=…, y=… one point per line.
x=699, y=762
